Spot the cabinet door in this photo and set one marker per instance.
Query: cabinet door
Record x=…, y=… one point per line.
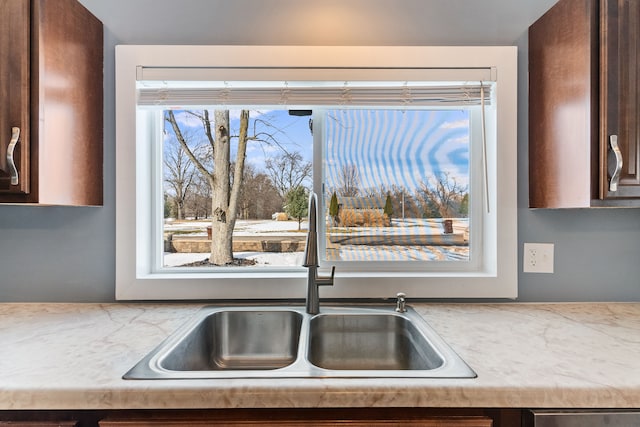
x=620, y=99
x=38, y=424
x=14, y=96
x=450, y=421
x=563, y=106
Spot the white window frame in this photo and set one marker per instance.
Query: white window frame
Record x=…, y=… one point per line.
x=496, y=277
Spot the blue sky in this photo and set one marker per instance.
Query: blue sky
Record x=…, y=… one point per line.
x=397, y=147
x=401, y=147
x=290, y=133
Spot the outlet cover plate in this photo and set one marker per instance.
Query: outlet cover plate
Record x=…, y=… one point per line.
x=537, y=258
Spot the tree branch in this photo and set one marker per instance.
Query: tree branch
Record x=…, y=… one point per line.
x=239, y=166
x=171, y=118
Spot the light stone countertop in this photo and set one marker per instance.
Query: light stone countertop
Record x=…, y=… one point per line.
x=72, y=356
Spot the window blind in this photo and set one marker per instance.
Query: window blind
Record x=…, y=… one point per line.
x=373, y=96
x=322, y=87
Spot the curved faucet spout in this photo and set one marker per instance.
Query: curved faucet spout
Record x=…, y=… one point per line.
x=311, y=248
x=311, y=260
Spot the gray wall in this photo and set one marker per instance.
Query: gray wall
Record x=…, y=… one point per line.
x=67, y=254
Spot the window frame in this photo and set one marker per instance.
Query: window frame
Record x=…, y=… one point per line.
x=136, y=280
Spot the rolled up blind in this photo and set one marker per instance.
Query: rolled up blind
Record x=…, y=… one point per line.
x=153, y=90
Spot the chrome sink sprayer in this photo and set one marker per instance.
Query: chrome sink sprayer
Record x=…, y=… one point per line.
x=401, y=302
x=311, y=260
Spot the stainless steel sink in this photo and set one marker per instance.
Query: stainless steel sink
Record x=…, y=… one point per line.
x=237, y=340
x=369, y=342
x=287, y=342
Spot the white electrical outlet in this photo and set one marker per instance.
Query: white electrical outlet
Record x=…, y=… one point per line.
x=538, y=258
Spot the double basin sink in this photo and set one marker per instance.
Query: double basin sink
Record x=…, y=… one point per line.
x=286, y=342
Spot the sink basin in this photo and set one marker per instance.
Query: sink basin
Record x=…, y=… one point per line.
x=286, y=342
x=237, y=340
x=369, y=342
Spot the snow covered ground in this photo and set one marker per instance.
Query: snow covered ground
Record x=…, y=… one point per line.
x=243, y=227
x=262, y=258
x=347, y=252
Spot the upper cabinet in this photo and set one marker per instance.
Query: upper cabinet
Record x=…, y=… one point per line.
x=51, y=110
x=584, y=105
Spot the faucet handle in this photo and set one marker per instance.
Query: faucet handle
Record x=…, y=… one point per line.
x=400, y=302
x=326, y=281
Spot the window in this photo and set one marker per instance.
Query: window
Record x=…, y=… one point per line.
x=416, y=159
x=411, y=151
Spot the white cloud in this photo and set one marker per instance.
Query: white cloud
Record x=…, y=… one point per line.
x=463, y=140
x=459, y=124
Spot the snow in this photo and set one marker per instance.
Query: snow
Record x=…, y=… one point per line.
x=262, y=258
x=347, y=252
x=242, y=228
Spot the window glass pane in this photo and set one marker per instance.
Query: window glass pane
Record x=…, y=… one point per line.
x=400, y=180
x=269, y=224
x=396, y=184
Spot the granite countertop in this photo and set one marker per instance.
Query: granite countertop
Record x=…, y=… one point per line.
x=72, y=356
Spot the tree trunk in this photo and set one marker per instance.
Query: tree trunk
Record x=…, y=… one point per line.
x=179, y=212
x=221, y=222
x=225, y=194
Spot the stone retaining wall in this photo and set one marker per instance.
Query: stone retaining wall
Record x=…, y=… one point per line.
x=181, y=245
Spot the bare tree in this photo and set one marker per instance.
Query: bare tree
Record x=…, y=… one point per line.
x=443, y=194
x=288, y=172
x=180, y=174
x=213, y=161
x=259, y=198
x=245, y=202
x=198, y=203
x=349, y=185
x=403, y=202
x=225, y=192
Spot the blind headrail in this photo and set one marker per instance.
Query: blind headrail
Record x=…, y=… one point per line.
x=486, y=74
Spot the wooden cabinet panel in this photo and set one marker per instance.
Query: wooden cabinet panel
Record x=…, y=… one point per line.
x=14, y=91
x=424, y=422
x=620, y=95
x=51, y=74
x=583, y=88
x=563, y=101
x=250, y=417
x=38, y=423
x=352, y=417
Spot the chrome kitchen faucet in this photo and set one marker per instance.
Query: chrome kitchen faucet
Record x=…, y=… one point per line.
x=311, y=260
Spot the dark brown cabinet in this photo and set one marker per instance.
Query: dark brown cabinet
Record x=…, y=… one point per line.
x=51, y=110
x=353, y=417
x=584, y=105
x=38, y=424
x=318, y=417
x=423, y=422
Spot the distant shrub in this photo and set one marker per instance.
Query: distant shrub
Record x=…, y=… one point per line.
x=282, y=216
x=388, y=206
x=333, y=205
x=350, y=218
x=374, y=218
x=363, y=218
